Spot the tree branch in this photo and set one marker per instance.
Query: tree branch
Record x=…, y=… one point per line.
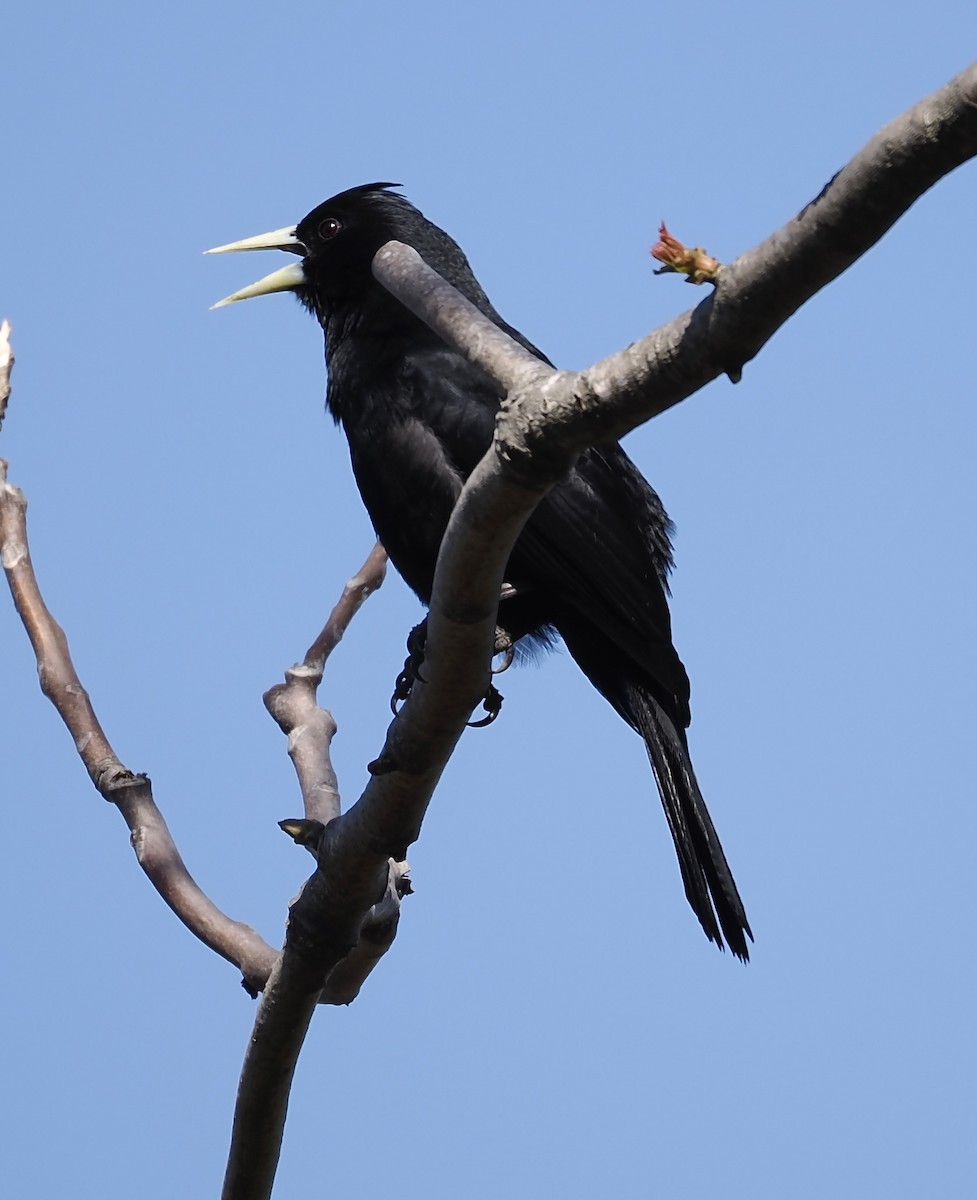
x=284, y=1014
x=131, y=793
x=291, y=995
x=754, y=295
x=6, y=366
x=549, y=418
x=309, y=728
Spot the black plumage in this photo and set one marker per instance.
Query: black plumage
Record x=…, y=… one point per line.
x=593, y=561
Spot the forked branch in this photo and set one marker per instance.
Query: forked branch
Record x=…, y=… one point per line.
x=550, y=417
x=129, y=791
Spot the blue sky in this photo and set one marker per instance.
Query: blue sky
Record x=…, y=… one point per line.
x=550, y=1020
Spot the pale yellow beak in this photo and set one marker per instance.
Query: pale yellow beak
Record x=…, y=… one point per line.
x=286, y=279
x=278, y=239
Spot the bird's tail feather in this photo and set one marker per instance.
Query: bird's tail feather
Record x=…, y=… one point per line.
x=709, y=883
x=708, y=880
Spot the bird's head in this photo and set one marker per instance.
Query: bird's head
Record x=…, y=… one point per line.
x=337, y=241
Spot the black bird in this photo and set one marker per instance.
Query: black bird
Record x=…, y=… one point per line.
x=592, y=562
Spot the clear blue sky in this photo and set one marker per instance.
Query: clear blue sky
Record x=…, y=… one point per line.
x=550, y=1021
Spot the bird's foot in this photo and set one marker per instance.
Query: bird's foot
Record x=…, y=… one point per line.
x=505, y=646
x=416, y=642
x=492, y=705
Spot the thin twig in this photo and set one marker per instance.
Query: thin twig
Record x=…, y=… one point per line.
x=129, y=791
x=309, y=728
x=6, y=366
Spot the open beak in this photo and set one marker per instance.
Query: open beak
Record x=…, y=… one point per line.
x=286, y=279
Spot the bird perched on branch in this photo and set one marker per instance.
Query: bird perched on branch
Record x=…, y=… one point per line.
x=591, y=564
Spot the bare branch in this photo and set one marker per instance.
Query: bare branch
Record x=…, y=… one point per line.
x=6, y=366
x=280, y=1027
x=377, y=935
x=310, y=729
x=418, y=287
x=131, y=793
x=379, y=927
x=549, y=418
x=359, y=852
x=355, y=594
x=354, y=851
x=281, y=1023
x=292, y=992
x=542, y=426
x=762, y=288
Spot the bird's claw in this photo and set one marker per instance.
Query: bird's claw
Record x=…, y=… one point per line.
x=492, y=705
x=402, y=688
x=505, y=646
x=404, y=683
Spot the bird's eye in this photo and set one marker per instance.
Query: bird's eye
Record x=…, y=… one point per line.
x=329, y=228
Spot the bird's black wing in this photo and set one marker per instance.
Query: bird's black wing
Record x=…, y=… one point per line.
x=416, y=431
x=598, y=545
